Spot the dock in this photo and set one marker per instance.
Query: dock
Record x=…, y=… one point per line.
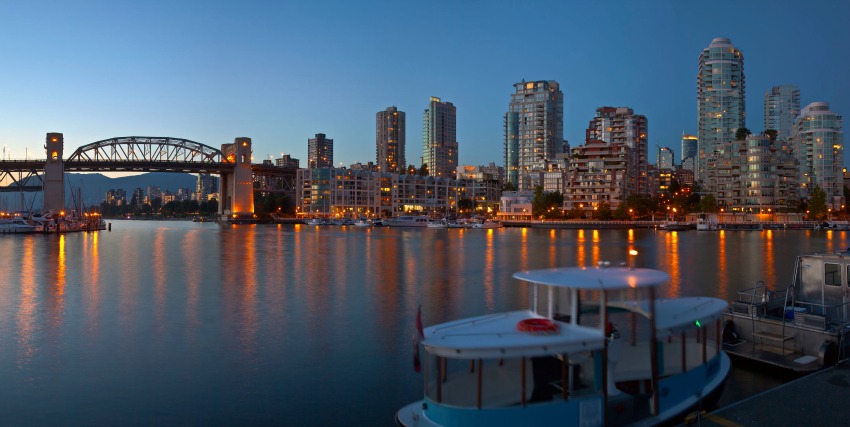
x=820, y=399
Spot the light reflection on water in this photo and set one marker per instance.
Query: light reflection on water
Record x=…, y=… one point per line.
x=193, y=323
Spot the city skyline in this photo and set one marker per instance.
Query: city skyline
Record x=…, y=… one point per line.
x=99, y=70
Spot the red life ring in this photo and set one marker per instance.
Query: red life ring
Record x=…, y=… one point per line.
x=537, y=325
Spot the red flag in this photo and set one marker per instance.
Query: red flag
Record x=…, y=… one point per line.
x=417, y=337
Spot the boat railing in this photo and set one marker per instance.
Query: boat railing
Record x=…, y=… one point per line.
x=821, y=316
x=760, y=300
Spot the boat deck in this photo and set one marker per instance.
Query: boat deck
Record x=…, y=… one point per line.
x=773, y=355
x=821, y=398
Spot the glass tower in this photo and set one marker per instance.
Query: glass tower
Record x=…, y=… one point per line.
x=439, y=138
x=720, y=98
x=781, y=107
x=818, y=144
x=390, y=140
x=534, y=128
x=320, y=151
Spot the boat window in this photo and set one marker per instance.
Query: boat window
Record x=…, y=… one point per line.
x=831, y=274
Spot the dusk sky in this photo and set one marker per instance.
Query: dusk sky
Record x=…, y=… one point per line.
x=280, y=72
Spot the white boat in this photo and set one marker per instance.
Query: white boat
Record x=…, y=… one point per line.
x=318, y=221
x=408, y=221
x=362, y=222
x=804, y=327
x=437, y=224
x=562, y=361
x=17, y=225
x=487, y=224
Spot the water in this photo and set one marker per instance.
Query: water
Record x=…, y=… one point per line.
x=198, y=324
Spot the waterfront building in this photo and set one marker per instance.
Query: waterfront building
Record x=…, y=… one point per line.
x=390, y=135
x=534, y=128
x=665, y=159
x=207, y=184
x=286, y=161
x=490, y=172
x=817, y=140
x=320, y=151
x=515, y=205
x=620, y=125
x=439, y=138
x=689, y=151
x=116, y=197
x=660, y=180
x=720, y=99
x=752, y=176
x=483, y=194
x=598, y=173
x=781, y=107
x=684, y=176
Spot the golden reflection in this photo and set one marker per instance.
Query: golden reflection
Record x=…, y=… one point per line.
x=56, y=294
x=580, y=255
x=28, y=306
x=829, y=243
x=723, y=278
x=672, y=249
x=523, y=255
x=596, y=251
x=249, y=290
x=489, y=272
x=769, y=258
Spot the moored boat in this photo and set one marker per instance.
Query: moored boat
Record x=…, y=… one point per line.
x=17, y=225
x=804, y=327
x=563, y=362
x=408, y=221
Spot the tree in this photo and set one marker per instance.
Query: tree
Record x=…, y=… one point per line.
x=772, y=134
x=509, y=186
x=547, y=204
x=604, y=211
x=423, y=171
x=708, y=204
x=817, y=204
x=465, y=205
x=742, y=134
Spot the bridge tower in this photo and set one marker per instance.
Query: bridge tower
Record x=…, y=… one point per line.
x=54, y=174
x=237, y=187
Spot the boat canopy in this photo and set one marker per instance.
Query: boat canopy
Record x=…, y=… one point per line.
x=595, y=278
x=496, y=336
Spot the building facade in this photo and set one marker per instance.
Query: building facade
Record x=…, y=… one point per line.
x=720, y=99
x=781, y=108
x=665, y=159
x=390, y=140
x=620, y=125
x=534, y=128
x=320, y=152
x=598, y=173
x=286, y=161
x=439, y=138
x=817, y=140
x=689, y=150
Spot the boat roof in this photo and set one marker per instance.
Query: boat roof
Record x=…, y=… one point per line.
x=496, y=335
x=673, y=315
x=595, y=278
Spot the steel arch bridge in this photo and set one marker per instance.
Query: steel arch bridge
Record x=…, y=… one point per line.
x=145, y=154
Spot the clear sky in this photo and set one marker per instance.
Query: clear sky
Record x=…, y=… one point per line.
x=281, y=71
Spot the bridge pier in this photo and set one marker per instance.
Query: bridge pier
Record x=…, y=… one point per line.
x=54, y=174
x=237, y=186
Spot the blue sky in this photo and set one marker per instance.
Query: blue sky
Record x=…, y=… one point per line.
x=280, y=72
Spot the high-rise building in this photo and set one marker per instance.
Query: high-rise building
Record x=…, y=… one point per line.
x=665, y=159
x=534, y=128
x=689, y=148
x=621, y=125
x=781, y=107
x=818, y=143
x=720, y=98
x=390, y=140
x=439, y=138
x=320, y=152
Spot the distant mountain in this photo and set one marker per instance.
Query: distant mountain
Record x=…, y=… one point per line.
x=95, y=185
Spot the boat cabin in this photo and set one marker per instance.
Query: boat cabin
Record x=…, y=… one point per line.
x=595, y=347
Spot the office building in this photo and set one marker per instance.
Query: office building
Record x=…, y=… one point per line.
x=817, y=141
x=689, y=150
x=781, y=108
x=320, y=152
x=720, y=98
x=534, y=129
x=439, y=138
x=665, y=159
x=390, y=140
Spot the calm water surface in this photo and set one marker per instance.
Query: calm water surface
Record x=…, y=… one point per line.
x=198, y=324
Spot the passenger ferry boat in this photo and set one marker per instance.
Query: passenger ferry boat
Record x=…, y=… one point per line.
x=563, y=362
x=804, y=327
x=409, y=221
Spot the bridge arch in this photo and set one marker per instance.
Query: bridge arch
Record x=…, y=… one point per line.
x=148, y=149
